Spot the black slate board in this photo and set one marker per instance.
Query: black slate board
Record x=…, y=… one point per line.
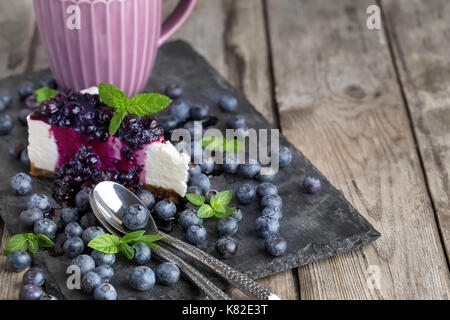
x=315, y=226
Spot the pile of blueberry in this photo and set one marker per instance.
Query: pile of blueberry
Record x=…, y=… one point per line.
x=33, y=280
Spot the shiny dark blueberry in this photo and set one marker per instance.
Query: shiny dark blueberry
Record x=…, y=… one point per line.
x=275, y=245
x=194, y=169
x=272, y=201
x=165, y=209
x=273, y=212
x=142, y=253
x=266, y=226
x=200, y=112
x=180, y=111
x=226, y=247
x=146, y=197
x=167, y=273
x=312, y=184
x=6, y=124
x=30, y=292
x=196, y=234
x=18, y=260
x=21, y=183
x=245, y=193
x=173, y=91
x=201, y=181
x=135, y=217
x=46, y=227
x=227, y=227
x=228, y=103
x=285, y=156
x=106, y=272
x=39, y=201
x=250, y=169
x=88, y=220
x=34, y=276
x=84, y=262
x=91, y=232
x=105, y=291
x=82, y=200
x=266, y=188
x=15, y=150
x=142, y=278
x=237, y=122
x=101, y=258
x=189, y=218
x=69, y=215
x=73, y=229
x=90, y=281
x=25, y=89
x=73, y=247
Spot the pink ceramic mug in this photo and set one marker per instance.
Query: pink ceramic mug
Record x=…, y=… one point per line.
x=114, y=41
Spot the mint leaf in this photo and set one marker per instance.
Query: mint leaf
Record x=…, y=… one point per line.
x=205, y=211
x=116, y=120
x=33, y=244
x=195, y=199
x=17, y=242
x=45, y=93
x=234, y=146
x=221, y=200
x=106, y=243
x=44, y=241
x=112, y=96
x=126, y=250
x=132, y=237
x=147, y=103
x=149, y=239
x=226, y=212
x=220, y=144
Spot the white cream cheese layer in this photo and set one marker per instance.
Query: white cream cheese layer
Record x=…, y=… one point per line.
x=42, y=149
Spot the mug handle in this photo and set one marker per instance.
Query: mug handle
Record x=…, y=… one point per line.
x=175, y=19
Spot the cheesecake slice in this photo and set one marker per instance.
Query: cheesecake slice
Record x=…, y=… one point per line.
x=68, y=139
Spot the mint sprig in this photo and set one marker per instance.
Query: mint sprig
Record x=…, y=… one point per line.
x=45, y=93
x=27, y=241
x=108, y=243
x=221, y=144
x=141, y=105
x=218, y=204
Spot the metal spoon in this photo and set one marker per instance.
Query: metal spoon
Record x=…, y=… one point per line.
x=109, y=201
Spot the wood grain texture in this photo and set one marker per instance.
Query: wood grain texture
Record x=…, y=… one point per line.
x=339, y=102
x=421, y=48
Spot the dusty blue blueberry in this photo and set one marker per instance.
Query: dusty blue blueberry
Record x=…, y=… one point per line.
x=21, y=183
x=249, y=170
x=165, y=209
x=82, y=199
x=180, y=111
x=226, y=227
x=34, y=276
x=142, y=278
x=266, y=174
x=46, y=227
x=142, y=253
x=245, y=193
x=24, y=159
x=88, y=220
x=284, y=156
x=84, y=262
x=73, y=229
x=6, y=124
x=237, y=122
x=48, y=297
x=105, y=291
x=266, y=188
x=167, y=273
x=91, y=232
x=18, y=260
x=69, y=215
x=194, y=190
x=136, y=217
x=196, y=234
x=273, y=212
x=266, y=226
x=226, y=247
x=101, y=258
x=39, y=201
x=275, y=245
x=207, y=164
x=48, y=81
x=228, y=103
x=105, y=272
x=200, y=112
x=272, y=200
x=230, y=164
x=6, y=98
x=23, y=114
x=189, y=218
x=73, y=247
x=173, y=91
x=30, y=292
x=201, y=181
x=194, y=169
x=146, y=197
x=237, y=214
x=312, y=184
x=168, y=123
x=25, y=89
x=90, y=281
x=15, y=150
x=29, y=217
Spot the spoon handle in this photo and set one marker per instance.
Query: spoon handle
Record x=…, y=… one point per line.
x=234, y=277
x=196, y=277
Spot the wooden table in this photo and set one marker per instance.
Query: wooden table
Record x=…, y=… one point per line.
x=370, y=108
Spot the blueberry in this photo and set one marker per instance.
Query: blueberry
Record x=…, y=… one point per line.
x=142, y=253
x=24, y=159
x=69, y=215
x=207, y=164
x=2, y=106
x=31, y=102
x=48, y=81
x=25, y=89
x=237, y=214
x=84, y=262
x=6, y=98
x=6, y=124
x=82, y=199
x=136, y=217
x=168, y=123
x=266, y=174
x=196, y=234
x=228, y=103
x=194, y=190
x=91, y=232
x=180, y=111
x=23, y=114
x=167, y=273
x=200, y=112
x=90, y=281
x=34, y=276
x=15, y=150
x=101, y=258
x=226, y=247
x=275, y=245
x=88, y=220
x=39, y=201
x=266, y=188
x=196, y=152
x=209, y=194
x=245, y=193
x=237, y=122
x=191, y=126
x=266, y=226
x=46, y=227
x=201, y=181
x=142, y=278
x=230, y=164
x=165, y=209
x=73, y=229
x=194, y=169
x=48, y=297
x=272, y=200
x=29, y=217
x=21, y=183
x=30, y=292
x=189, y=218
x=173, y=91
x=273, y=212
x=105, y=291
x=147, y=198
x=105, y=272
x=73, y=247
x=249, y=170
x=19, y=260
x=226, y=227
x=312, y=184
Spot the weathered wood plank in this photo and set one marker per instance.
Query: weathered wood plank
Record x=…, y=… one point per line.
x=339, y=102
x=421, y=48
